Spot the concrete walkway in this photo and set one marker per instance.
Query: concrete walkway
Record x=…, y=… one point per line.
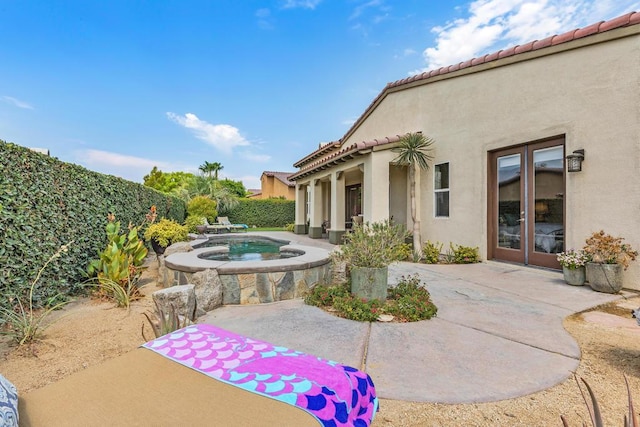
x=498, y=334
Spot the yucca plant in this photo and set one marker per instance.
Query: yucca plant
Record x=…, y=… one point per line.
x=163, y=322
x=23, y=324
x=594, y=409
x=121, y=294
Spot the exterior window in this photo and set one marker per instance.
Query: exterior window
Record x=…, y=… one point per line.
x=441, y=189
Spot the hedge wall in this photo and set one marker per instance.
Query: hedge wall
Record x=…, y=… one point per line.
x=45, y=203
x=262, y=212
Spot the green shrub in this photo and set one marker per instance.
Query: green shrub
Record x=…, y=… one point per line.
x=45, y=203
x=166, y=232
x=122, y=258
x=261, y=212
x=203, y=206
x=322, y=295
x=431, y=252
x=409, y=301
x=464, y=254
x=353, y=308
x=373, y=245
x=192, y=222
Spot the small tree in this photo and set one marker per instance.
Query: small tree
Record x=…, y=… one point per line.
x=203, y=206
x=413, y=151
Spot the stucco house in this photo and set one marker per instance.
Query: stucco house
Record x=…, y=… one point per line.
x=275, y=184
x=505, y=126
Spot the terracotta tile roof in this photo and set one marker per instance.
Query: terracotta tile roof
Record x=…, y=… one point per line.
x=342, y=155
x=629, y=19
x=324, y=148
x=281, y=176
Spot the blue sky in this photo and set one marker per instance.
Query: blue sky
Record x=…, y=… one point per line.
x=120, y=86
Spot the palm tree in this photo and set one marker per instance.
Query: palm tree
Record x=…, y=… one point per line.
x=216, y=167
x=413, y=151
x=208, y=168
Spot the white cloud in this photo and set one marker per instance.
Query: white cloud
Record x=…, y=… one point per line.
x=107, y=158
x=495, y=24
x=265, y=21
x=361, y=8
x=128, y=167
x=304, y=4
x=223, y=137
x=17, y=103
x=349, y=122
x=260, y=158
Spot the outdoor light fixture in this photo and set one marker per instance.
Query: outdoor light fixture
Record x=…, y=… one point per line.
x=574, y=161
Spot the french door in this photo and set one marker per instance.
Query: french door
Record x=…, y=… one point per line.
x=526, y=203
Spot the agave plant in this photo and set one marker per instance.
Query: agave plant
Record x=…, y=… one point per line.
x=163, y=322
x=594, y=409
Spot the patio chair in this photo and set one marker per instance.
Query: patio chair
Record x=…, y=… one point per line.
x=225, y=221
x=215, y=228
x=155, y=385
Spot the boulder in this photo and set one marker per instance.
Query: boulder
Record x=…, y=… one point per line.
x=177, y=248
x=208, y=290
x=183, y=298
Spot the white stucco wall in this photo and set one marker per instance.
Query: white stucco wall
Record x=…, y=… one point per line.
x=591, y=95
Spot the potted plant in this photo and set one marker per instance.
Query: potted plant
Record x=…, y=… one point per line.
x=609, y=257
x=367, y=250
x=165, y=232
x=572, y=262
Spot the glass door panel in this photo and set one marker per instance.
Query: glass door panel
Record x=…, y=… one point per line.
x=548, y=191
x=509, y=201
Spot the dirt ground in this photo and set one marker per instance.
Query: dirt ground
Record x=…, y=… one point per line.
x=89, y=332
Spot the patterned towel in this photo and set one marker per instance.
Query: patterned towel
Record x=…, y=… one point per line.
x=337, y=395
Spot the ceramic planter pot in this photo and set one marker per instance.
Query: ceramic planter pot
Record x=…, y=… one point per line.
x=605, y=277
x=157, y=248
x=369, y=283
x=574, y=276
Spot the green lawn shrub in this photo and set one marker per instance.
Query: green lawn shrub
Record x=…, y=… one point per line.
x=261, y=212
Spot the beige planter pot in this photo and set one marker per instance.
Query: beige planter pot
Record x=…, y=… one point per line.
x=574, y=276
x=369, y=283
x=605, y=277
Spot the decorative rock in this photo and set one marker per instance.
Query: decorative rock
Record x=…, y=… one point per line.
x=385, y=318
x=208, y=290
x=178, y=247
x=183, y=298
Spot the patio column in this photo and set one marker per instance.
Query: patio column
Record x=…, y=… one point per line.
x=301, y=209
x=376, y=187
x=315, y=207
x=337, y=228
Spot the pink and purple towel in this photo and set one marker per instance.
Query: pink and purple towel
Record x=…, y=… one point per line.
x=337, y=395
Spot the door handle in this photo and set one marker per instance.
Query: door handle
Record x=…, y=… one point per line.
x=521, y=220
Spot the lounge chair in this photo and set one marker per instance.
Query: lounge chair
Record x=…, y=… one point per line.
x=225, y=221
x=215, y=228
x=204, y=375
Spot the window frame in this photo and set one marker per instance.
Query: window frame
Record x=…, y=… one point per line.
x=436, y=191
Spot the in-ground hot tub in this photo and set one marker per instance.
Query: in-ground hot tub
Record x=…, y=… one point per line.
x=247, y=281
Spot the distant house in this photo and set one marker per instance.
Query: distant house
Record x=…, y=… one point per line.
x=274, y=184
x=505, y=127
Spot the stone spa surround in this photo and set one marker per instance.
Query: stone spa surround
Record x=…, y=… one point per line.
x=243, y=282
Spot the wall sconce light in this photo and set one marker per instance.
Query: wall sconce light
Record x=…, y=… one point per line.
x=574, y=161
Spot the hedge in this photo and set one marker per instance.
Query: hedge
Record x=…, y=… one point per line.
x=262, y=212
x=45, y=203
